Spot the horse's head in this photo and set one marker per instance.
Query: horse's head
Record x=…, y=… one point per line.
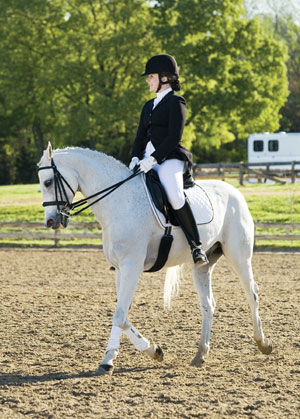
x=58, y=183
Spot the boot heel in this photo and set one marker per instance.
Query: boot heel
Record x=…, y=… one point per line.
x=199, y=257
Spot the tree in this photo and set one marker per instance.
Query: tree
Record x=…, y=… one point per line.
x=282, y=20
x=103, y=61
x=290, y=120
x=69, y=72
x=234, y=74
x=27, y=51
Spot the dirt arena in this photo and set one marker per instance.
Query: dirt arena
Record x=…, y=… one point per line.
x=56, y=310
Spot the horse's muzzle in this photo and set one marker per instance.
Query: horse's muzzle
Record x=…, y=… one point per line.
x=57, y=221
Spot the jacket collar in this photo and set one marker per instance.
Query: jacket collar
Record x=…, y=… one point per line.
x=161, y=95
x=164, y=99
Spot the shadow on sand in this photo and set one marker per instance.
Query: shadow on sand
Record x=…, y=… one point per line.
x=17, y=379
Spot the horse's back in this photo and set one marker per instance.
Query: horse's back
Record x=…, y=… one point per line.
x=229, y=204
x=220, y=190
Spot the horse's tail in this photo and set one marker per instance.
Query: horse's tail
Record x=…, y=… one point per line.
x=172, y=281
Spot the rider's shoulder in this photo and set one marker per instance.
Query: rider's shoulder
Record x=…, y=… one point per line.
x=178, y=99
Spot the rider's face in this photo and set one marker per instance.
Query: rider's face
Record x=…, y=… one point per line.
x=153, y=82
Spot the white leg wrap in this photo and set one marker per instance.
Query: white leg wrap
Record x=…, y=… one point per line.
x=139, y=342
x=114, y=339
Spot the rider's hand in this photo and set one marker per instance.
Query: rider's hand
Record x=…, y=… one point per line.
x=147, y=163
x=133, y=163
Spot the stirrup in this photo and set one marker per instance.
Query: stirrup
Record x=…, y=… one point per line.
x=199, y=256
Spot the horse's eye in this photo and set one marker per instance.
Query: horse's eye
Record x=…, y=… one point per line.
x=47, y=183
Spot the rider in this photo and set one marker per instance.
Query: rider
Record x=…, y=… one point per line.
x=158, y=145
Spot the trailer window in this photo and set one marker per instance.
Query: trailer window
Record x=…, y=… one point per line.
x=258, y=145
x=273, y=145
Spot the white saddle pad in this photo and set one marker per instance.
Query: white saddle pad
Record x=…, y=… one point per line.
x=199, y=201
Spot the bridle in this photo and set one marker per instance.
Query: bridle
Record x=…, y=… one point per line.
x=61, y=196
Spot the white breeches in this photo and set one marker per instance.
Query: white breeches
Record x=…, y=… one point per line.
x=170, y=173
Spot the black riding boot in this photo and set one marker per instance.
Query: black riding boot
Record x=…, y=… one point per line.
x=186, y=220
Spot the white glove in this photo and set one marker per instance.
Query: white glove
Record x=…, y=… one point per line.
x=133, y=163
x=147, y=163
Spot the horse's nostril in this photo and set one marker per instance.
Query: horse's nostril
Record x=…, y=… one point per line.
x=50, y=222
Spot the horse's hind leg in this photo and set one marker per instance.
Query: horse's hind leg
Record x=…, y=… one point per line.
x=242, y=266
x=202, y=281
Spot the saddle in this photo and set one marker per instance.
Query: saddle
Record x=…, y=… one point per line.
x=165, y=215
x=159, y=195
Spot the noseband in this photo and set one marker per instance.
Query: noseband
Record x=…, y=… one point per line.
x=61, y=197
x=60, y=191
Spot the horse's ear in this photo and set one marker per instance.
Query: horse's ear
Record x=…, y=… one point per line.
x=49, y=151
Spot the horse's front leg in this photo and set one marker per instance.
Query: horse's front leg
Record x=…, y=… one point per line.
x=140, y=343
x=202, y=281
x=127, y=280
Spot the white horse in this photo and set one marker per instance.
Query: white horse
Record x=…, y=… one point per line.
x=131, y=236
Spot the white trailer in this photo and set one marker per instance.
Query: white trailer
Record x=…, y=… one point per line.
x=274, y=148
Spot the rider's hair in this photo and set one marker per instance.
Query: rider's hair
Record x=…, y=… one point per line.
x=173, y=80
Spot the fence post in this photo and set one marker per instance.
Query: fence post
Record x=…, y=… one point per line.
x=293, y=174
x=242, y=170
x=268, y=172
x=56, y=238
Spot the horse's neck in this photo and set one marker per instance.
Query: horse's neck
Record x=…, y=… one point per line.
x=99, y=171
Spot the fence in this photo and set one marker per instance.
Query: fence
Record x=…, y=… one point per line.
x=263, y=171
x=288, y=236
x=29, y=231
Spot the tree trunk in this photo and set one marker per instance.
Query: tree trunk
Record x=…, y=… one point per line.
x=38, y=136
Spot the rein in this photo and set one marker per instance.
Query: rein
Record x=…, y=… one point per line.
x=60, y=191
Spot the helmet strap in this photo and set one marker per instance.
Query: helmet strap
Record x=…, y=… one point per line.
x=161, y=83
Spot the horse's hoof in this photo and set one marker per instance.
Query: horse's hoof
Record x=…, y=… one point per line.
x=104, y=369
x=198, y=361
x=266, y=347
x=158, y=354
x=155, y=352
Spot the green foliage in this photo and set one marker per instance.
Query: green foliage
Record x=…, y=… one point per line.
x=290, y=121
x=280, y=22
x=70, y=73
x=234, y=74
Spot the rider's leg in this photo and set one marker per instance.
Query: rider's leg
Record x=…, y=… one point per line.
x=186, y=219
x=170, y=173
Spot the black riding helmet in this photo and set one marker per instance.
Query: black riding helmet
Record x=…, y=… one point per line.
x=163, y=64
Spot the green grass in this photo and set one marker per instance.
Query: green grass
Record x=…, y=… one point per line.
x=275, y=208
x=23, y=203
x=268, y=203
x=34, y=213
x=20, y=193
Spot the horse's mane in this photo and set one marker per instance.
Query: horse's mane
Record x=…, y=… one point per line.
x=92, y=155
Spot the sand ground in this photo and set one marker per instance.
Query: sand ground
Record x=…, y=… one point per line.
x=56, y=310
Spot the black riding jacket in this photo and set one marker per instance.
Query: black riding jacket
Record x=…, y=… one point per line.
x=163, y=126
